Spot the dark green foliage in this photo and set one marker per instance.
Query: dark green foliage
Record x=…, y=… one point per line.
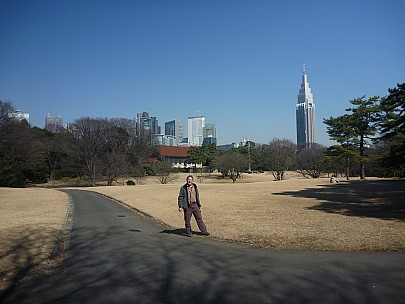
x=393, y=107
x=204, y=155
x=22, y=155
x=249, y=152
x=12, y=177
x=392, y=126
x=354, y=129
x=39, y=176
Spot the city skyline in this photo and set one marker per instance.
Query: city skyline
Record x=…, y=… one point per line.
x=238, y=63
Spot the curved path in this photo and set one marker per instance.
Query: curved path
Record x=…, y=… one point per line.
x=118, y=256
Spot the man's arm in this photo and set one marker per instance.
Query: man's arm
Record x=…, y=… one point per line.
x=197, y=196
x=180, y=198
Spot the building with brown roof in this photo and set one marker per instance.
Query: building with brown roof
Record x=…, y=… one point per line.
x=177, y=155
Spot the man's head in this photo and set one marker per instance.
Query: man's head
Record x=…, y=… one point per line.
x=189, y=180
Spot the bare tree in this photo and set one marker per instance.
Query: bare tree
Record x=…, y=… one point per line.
x=310, y=161
x=278, y=156
x=111, y=148
x=163, y=171
x=6, y=108
x=138, y=146
x=117, y=162
x=231, y=164
x=89, y=144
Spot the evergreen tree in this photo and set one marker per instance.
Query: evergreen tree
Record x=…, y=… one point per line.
x=392, y=128
x=339, y=130
x=365, y=117
x=355, y=129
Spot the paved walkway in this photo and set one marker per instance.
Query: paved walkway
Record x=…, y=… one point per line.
x=118, y=256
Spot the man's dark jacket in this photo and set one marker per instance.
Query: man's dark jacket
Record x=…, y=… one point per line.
x=183, y=197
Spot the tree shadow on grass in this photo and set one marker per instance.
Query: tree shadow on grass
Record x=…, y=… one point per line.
x=382, y=199
x=23, y=257
x=105, y=262
x=112, y=266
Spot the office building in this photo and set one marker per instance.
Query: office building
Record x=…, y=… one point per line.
x=147, y=123
x=305, y=115
x=20, y=116
x=148, y=126
x=209, y=134
x=54, y=124
x=196, y=126
x=227, y=146
x=165, y=140
x=175, y=128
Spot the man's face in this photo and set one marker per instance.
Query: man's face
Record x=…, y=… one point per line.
x=189, y=180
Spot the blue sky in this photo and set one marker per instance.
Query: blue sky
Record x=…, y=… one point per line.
x=239, y=63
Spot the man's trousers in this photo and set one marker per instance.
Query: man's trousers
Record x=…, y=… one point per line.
x=193, y=209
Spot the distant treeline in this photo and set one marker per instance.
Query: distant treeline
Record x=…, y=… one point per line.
x=370, y=137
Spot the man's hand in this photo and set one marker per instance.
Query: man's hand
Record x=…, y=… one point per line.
x=180, y=209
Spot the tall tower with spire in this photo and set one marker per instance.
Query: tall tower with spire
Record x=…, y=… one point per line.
x=305, y=115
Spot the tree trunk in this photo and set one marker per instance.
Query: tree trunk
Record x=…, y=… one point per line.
x=362, y=166
x=93, y=176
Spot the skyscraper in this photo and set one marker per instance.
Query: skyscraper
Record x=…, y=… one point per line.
x=305, y=115
x=147, y=123
x=54, y=124
x=175, y=128
x=195, y=130
x=209, y=134
x=143, y=122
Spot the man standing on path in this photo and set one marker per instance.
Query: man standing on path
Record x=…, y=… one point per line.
x=189, y=202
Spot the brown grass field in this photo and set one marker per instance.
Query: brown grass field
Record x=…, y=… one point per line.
x=297, y=214
x=30, y=222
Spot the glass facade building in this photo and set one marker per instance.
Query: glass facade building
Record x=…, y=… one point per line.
x=175, y=128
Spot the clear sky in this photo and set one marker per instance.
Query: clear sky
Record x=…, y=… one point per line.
x=238, y=63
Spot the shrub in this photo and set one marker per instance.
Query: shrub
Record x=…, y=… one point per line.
x=11, y=177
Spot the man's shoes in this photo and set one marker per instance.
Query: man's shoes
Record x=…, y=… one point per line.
x=189, y=234
x=206, y=234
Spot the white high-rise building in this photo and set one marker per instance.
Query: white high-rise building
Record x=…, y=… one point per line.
x=20, y=116
x=54, y=124
x=196, y=126
x=305, y=115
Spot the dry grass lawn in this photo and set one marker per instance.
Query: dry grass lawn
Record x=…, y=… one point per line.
x=296, y=213
x=30, y=223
